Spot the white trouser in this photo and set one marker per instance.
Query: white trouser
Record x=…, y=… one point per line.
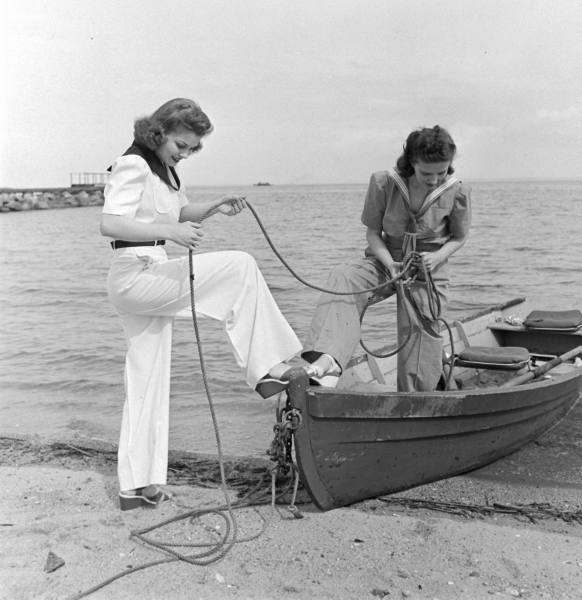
x=148, y=290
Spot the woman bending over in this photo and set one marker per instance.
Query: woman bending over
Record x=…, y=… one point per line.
x=418, y=206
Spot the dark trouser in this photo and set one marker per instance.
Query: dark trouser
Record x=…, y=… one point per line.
x=335, y=326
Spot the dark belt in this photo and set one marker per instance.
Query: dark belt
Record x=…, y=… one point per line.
x=122, y=244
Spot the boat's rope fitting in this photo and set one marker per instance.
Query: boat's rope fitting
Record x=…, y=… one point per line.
x=281, y=453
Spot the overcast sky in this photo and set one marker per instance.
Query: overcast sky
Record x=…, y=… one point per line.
x=299, y=91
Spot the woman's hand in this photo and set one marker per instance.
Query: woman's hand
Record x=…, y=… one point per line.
x=394, y=268
x=188, y=234
x=231, y=205
x=198, y=212
x=430, y=260
x=433, y=260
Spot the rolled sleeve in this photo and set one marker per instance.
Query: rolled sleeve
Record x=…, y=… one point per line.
x=183, y=199
x=125, y=187
x=375, y=202
x=460, y=217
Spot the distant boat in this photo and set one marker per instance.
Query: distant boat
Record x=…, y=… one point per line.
x=262, y=183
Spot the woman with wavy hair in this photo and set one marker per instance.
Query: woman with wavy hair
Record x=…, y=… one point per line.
x=418, y=206
x=144, y=207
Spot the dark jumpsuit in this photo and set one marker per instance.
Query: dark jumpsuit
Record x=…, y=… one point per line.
x=335, y=327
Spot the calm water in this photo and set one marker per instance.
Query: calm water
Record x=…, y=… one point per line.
x=61, y=343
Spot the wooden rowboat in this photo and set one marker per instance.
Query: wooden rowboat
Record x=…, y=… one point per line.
x=363, y=439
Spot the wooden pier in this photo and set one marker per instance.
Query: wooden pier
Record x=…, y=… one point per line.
x=88, y=179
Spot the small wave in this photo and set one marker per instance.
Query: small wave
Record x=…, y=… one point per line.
x=97, y=387
x=533, y=249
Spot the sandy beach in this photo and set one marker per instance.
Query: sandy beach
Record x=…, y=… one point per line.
x=510, y=530
x=307, y=105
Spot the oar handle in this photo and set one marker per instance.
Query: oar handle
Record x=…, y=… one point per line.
x=538, y=371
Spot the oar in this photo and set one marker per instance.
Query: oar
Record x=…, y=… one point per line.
x=544, y=368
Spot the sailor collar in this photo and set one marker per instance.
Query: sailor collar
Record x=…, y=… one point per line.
x=154, y=163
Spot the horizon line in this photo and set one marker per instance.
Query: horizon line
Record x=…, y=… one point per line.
x=6, y=189
x=476, y=180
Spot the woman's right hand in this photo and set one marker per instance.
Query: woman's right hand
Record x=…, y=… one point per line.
x=394, y=268
x=188, y=234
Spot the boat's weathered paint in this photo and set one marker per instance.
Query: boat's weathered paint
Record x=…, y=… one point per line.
x=368, y=441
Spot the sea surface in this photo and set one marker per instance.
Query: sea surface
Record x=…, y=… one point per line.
x=61, y=343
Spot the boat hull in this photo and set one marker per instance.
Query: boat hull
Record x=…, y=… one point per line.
x=352, y=448
x=366, y=442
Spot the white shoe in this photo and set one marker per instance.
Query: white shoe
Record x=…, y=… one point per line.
x=325, y=372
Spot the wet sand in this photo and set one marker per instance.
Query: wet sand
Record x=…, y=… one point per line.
x=509, y=530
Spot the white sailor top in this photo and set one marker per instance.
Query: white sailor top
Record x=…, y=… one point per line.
x=139, y=187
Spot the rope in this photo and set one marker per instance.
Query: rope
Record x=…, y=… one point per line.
x=415, y=264
x=376, y=288
x=433, y=298
x=531, y=512
x=280, y=452
x=207, y=389
x=412, y=264
x=394, y=349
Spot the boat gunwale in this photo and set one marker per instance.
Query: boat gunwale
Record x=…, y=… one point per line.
x=471, y=403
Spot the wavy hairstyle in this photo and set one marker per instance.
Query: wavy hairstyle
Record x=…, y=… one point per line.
x=428, y=145
x=151, y=131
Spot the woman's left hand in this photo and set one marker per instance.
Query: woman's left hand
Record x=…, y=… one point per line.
x=430, y=260
x=232, y=205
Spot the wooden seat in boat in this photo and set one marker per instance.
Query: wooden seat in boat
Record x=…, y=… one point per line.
x=503, y=358
x=567, y=321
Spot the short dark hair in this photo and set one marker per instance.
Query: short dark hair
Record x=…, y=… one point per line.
x=180, y=112
x=429, y=144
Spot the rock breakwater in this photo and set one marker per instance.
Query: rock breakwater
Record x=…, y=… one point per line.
x=43, y=199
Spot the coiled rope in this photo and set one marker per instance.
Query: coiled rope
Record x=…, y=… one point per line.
x=413, y=265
